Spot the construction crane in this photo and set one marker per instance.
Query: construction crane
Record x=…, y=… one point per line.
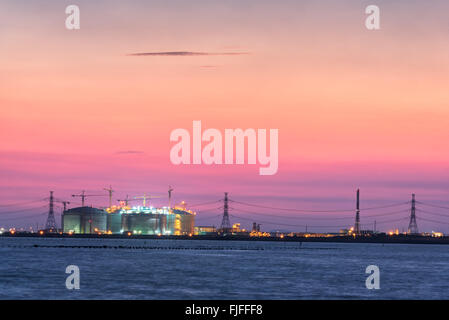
x=110, y=191
x=64, y=203
x=126, y=200
x=83, y=196
x=145, y=197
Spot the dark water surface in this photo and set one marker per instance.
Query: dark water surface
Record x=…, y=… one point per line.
x=33, y=268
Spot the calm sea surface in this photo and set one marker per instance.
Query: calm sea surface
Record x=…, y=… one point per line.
x=182, y=269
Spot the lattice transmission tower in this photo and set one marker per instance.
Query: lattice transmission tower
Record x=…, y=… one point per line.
x=413, y=226
x=51, y=222
x=225, y=223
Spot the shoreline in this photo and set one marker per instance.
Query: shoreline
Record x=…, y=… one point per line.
x=395, y=239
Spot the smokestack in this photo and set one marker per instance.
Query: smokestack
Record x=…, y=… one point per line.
x=357, y=215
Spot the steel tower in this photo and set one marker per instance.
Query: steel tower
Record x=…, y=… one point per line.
x=51, y=222
x=225, y=223
x=413, y=226
x=357, y=215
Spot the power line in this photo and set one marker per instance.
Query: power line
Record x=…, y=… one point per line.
x=20, y=203
x=392, y=220
x=210, y=217
x=318, y=218
x=286, y=209
x=285, y=224
x=322, y=211
x=432, y=213
x=209, y=209
x=430, y=220
x=386, y=206
x=23, y=216
x=432, y=205
x=316, y=226
x=204, y=203
x=22, y=210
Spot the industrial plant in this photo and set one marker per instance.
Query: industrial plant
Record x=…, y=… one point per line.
x=136, y=220
x=126, y=219
x=145, y=220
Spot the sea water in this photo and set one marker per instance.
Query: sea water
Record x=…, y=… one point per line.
x=34, y=268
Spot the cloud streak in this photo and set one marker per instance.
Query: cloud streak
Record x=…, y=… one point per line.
x=130, y=152
x=187, y=53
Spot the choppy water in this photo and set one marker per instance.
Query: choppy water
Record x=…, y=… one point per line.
x=182, y=269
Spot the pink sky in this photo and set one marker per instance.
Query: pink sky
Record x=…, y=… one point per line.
x=354, y=108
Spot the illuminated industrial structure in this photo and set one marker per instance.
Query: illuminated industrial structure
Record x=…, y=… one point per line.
x=205, y=230
x=84, y=220
x=136, y=220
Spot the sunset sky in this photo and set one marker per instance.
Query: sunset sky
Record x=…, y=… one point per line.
x=355, y=108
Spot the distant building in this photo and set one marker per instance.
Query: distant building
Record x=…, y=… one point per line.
x=205, y=230
x=256, y=227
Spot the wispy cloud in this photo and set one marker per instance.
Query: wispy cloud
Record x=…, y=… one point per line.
x=187, y=53
x=130, y=152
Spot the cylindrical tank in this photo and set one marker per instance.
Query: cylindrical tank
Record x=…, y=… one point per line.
x=177, y=222
x=114, y=222
x=84, y=220
x=142, y=223
x=71, y=222
x=184, y=222
x=187, y=224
